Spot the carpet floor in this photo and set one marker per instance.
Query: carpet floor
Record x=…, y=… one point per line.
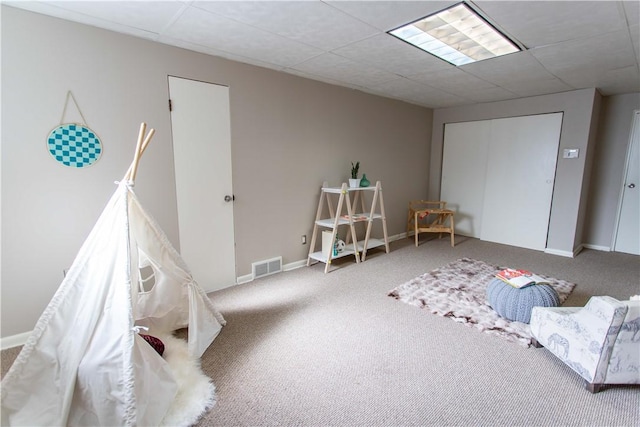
x=304, y=348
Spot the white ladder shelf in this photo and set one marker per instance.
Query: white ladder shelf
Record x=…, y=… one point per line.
x=337, y=219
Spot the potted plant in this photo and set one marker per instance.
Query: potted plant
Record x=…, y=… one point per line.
x=354, y=182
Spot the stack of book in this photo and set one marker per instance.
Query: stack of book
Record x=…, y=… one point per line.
x=520, y=278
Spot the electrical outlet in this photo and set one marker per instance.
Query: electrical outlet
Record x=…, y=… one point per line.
x=304, y=239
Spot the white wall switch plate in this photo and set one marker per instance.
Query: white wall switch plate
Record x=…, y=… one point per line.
x=570, y=153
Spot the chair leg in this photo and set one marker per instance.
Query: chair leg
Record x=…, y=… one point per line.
x=453, y=232
x=593, y=388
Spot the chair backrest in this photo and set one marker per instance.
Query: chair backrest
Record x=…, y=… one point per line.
x=417, y=205
x=624, y=361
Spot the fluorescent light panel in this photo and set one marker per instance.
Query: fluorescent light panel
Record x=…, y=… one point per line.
x=457, y=35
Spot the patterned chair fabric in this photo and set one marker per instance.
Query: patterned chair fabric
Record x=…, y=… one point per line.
x=600, y=341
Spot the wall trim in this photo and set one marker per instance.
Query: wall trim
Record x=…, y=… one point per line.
x=597, y=247
x=559, y=252
x=567, y=254
x=294, y=265
x=244, y=279
x=398, y=236
x=303, y=262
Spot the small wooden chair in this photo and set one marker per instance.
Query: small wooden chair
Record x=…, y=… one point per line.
x=426, y=216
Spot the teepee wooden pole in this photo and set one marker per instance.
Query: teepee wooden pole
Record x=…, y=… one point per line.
x=140, y=147
x=136, y=157
x=145, y=143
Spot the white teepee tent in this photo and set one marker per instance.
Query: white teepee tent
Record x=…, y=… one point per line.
x=85, y=363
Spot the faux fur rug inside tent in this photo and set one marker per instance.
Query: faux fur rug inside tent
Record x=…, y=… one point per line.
x=196, y=392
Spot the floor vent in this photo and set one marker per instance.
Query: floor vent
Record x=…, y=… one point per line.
x=267, y=267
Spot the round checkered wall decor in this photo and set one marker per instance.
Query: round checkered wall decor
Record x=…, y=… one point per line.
x=74, y=145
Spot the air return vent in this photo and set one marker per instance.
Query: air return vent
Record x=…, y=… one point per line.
x=267, y=267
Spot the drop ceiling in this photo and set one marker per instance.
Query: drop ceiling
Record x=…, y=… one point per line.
x=570, y=44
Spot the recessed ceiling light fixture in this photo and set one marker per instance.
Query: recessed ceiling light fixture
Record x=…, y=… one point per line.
x=458, y=35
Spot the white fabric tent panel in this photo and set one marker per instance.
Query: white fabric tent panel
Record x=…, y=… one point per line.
x=84, y=363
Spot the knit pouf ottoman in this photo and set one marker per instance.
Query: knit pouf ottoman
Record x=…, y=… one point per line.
x=516, y=304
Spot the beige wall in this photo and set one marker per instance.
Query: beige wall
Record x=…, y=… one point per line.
x=288, y=135
x=585, y=192
x=567, y=208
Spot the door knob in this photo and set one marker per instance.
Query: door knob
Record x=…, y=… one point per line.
x=632, y=185
x=228, y=198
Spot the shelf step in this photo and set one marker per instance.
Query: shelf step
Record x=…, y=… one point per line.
x=372, y=243
x=344, y=220
x=319, y=256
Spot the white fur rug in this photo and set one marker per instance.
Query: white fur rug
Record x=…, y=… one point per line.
x=458, y=291
x=196, y=392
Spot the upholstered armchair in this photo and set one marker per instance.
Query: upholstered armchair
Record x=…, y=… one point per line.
x=600, y=341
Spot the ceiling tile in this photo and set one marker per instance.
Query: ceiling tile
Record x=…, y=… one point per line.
x=315, y=77
x=214, y=31
x=592, y=56
x=452, y=80
x=490, y=94
x=218, y=52
x=418, y=93
x=533, y=87
x=342, y=69
x=576, y=44
x=389, y=53
x=82, y=18
x=609, y=82
x=540, y=23
x=623, y=80
x=311, y=22
x=151, y=16
x=509, y=69
x=389, y=15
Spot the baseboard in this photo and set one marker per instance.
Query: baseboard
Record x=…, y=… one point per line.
x=244, y=279
x=558, y=252
x=577, y=250
x=398, y=237
x=294, y=265
x=14, y=340
x=597, y=247
x=567, y=254
x=303, y=262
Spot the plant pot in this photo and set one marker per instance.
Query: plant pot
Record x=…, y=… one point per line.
x=354, y=183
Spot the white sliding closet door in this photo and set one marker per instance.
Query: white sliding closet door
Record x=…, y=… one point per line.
x=519, y=180
x=464, y=164
x=498, y=176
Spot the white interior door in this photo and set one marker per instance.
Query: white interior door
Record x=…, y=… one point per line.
x=464, y=164
x=519, y=182
x=628, y=231
x=201, y=127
